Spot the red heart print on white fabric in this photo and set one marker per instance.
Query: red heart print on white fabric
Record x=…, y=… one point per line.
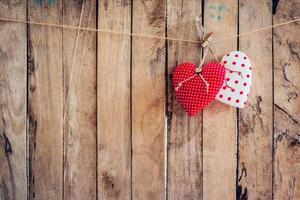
x=238, y=79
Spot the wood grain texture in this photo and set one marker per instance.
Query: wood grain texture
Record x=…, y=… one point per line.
x=45, y=106
x=13, y=183
x=256, y=119
x=219, y=120
x=114, y=123
x=97, y=125
x=184, y=133
x=286, y=109
x=148, y=100
x=79, y=64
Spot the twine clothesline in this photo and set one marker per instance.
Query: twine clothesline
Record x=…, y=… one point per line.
x=146, y=35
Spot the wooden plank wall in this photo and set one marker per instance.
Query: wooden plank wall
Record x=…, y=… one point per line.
x=13, y=184
x=45, y=102
x=148, y=99
x=286, y=163
x=79, y=66
x=219, y=120
x=113, y=86
x=255, y=121
x=87, y=115
x=184, y=133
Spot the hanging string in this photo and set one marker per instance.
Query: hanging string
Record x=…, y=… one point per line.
x=182, y=82
x=206, y=41
x=145, y=35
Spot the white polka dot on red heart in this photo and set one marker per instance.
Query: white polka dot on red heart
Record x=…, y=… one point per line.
x=193, y=95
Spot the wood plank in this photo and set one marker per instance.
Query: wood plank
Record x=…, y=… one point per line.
x=286, y=43
x=256, y=120
x=13, y=184
x=184, y=133
x=219, y=120
x=45, y=106
x=148, y=100
x=114, y=132
x=79, y=64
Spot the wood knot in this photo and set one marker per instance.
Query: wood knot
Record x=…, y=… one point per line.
x=7, y=145
x=110, y=185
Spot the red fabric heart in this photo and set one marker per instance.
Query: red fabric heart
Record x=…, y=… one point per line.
x=193, y=94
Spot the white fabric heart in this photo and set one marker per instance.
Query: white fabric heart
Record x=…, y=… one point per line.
x=238, y=79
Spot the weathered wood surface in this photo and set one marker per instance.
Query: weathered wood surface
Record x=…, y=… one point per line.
x=102, y=119
x=286, y=103
x=45, y=102
x=184, y=133
x=114, y=144
x=13, y=183
x=80, y=116
x=256, y=119
x=148, y=100
x=219, y=120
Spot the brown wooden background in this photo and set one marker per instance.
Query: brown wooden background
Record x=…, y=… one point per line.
x=86, y=115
